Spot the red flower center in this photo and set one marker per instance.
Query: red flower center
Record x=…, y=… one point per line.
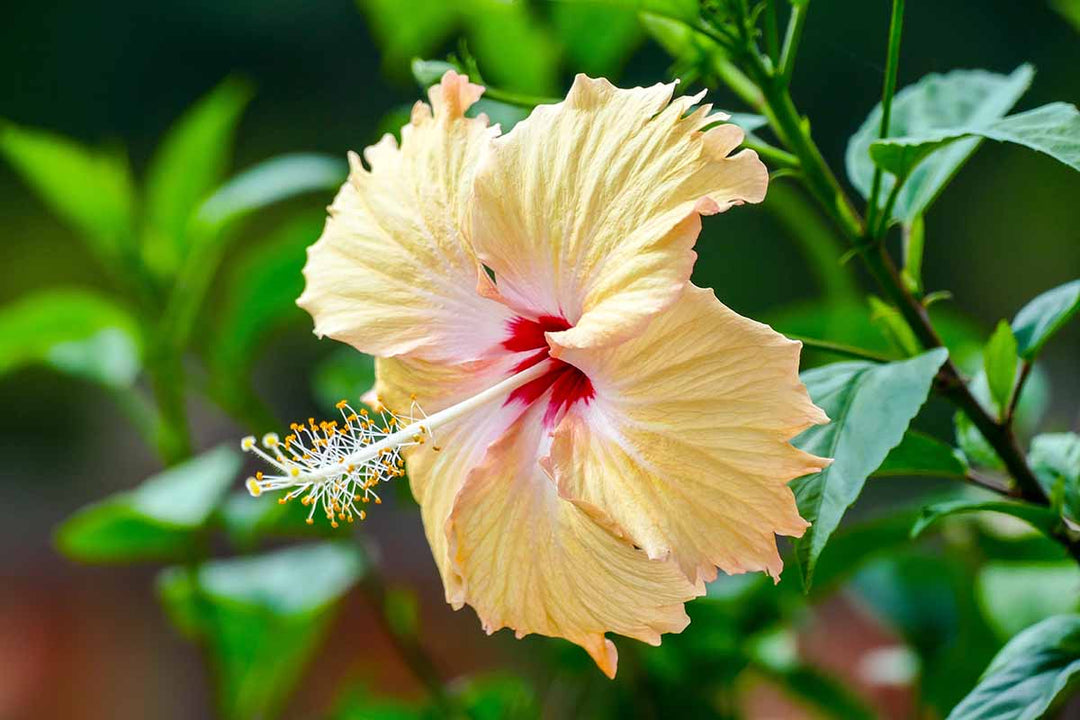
x=568, y=385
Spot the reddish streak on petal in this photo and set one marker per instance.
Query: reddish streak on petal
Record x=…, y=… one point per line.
x=566, y=382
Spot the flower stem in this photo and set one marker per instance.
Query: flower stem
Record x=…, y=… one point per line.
x=791, y=41
x=892, y=62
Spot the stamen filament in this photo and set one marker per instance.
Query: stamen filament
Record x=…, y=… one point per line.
x=335, y=467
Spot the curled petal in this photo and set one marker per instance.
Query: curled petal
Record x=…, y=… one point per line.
x=685, y=445
x=589, y=209
x=538, y=563
x=393, y=272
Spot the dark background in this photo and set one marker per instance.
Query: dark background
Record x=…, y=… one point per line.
x=91, y=642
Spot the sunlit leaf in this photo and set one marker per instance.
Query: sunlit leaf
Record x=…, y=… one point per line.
x=870, y=406
x=190, y=162
x=921, y=454
x=589, y=51
x=1039, y=517
x=1015, y=596
x=1037, y=321
x=1052, y=129
x=78, y=332
x=412, y=29
x=1000, y=362
x=260, y=617
x=1027, y=676
x=89, y=189
x=157, y=520
x=272, y=181
x=961, y=98
x=1069, y=9
x=1055, y=459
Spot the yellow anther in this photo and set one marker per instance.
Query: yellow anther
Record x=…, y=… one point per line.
x=310, y=521
x=294, y=471
x=247, y=443
x=281, y=501
x=341, y=404
x=378, y=500
x=258, y=475
x=363, y=515
x=253, y=487
x=270, y=440
x=333, y=523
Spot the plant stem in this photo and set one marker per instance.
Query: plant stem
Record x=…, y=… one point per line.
x=791, y=41
x=1010, y=412
x=789, y=126
x=892, y=63
x=772, y=33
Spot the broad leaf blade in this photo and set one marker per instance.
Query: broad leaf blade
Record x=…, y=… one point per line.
x=345, y=374
x=870, y=407
x=189, y=164
x=958, y=99
x=1037, y=321
x=77, y=332
x=1024, y=679
x=89, y=189
x=1052, y=129
x=157, y=520
x=1041, y=518
x=261, y=617
x=921, y=454
x=1055, y=459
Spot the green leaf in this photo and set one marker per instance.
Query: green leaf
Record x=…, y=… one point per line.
x=1000, y=361
x=1055, y=459
x=921, y=454
x=515, y=50
x=600, y=54
x=870, y=406
x=89, y=189
x=1039, y=517
x=1069, y=9
x=262, y=291
x=1016, y=595
x=1031, y=671
x=260, y=617
x=495, y=697
x=1037, y=321
x=345, y=374
x=157, y=520
x=77, y=332
x=961, y=98
x=893, y=325
x=1052, y=129
x=188, y=165
x=408, y=30
x=973, y=445
x=269, y=182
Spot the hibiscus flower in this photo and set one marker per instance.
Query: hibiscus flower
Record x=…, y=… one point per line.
x=602, y=435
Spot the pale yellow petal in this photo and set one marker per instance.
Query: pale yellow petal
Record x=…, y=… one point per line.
x=685, y=445
x=589, y=209
x=538, y=563
x=436, y=476
x=393, y=272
